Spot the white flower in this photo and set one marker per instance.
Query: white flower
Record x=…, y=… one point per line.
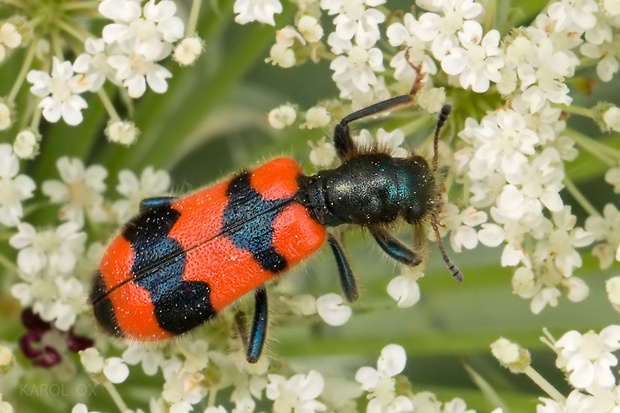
x=332, y=309
x=151, y=183
x=405, y=289
x=14, y=188
x=355, y=71
x=94, y=64
x=573, y=15
x=296, y=394
x=542, y=76
x=310, y=28
x=441, y=29
x=316, y=117
x=91, y=360
x=60, y=92
x=57, y=249
x=323, y=153
x=461, y=225
x=26, y=145
x=181, y=389
x=135, y=72
x=380, y=383
x=9, y=37
x=510, y=355
x=115, y=369
x=121, y=131
x=561, y=243
x=150, y=359
x=477, y=62
x=606, y=229
x=355, y=20
x=6, y=115
x=120, y=10
x=611, y=117
x=148, y=35
x=257, y=10
x=403, y=34
x=81, y=190
x=282, y=116
x=188, y=50
x=612, y=286
x=575, y=402
x=391, y=142
x=589, y=357
x=81, y=408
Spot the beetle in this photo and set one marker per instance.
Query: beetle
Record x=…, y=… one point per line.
x=179, y=262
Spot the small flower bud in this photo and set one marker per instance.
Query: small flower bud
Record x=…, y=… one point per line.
x=91, y=360
x=511, y=355
x=282, y=116
x=310, y=29
x=611, y=118
x=322, y=154
x=316, y=117
x=6, y=114
x=123, y=132
x=613, y=291
x=26, y=145
x=6, y=359
x=188, y=50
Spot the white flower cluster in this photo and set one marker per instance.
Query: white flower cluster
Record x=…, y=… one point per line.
x=128, y=54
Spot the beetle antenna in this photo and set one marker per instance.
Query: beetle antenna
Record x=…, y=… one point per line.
x=443, y=117
x=454, y=270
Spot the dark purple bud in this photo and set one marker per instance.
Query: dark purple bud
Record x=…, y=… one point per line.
x=32, y=321
x=78, y=343
x=50, y=358
x=27, y=341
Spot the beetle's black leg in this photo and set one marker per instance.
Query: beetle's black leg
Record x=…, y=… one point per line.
x=256, y=341
x=394, y=248
x=347, y=280
x=156, y=202
x=345, y=147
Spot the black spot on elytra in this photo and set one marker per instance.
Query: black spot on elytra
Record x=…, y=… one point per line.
x=248, y=221
x=159, y=265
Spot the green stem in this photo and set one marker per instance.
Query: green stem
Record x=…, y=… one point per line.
x=604, y=152
x=57, y=46
x=578, y=110
x=8, y=264
x=24, y=70
x=81, y=5
x=212, y=395
x=581, y=199
x=118, y=400
x=74, y=31
x=107, y=103
x=544, y=385
x=192, y=21
x=490, y=15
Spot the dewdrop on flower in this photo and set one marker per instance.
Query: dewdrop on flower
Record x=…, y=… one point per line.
x=122, y=131
x=188, y=50
x=26, y=145
x=281, y=117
